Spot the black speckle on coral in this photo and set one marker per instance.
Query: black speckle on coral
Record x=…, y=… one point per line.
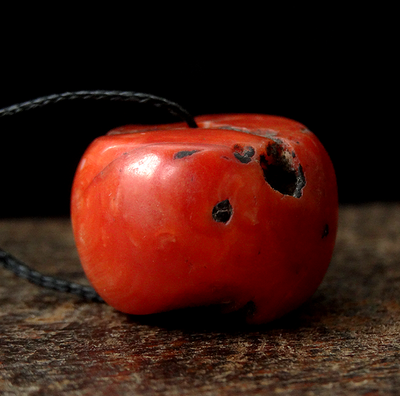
x=325, y=233
x=244, y=155
x=184, y=153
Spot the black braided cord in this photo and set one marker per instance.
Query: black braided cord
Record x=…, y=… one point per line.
x=121, y=96
x=21, y=270
x=15, y=265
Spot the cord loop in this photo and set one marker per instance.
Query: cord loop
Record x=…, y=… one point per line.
x=19, y=268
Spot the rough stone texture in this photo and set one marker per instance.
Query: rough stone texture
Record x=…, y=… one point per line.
x=344, y=341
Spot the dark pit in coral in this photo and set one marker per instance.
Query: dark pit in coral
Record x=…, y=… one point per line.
x=222, y=211
x=279, y=171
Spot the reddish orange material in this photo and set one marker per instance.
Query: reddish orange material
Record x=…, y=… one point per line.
x=143, y=215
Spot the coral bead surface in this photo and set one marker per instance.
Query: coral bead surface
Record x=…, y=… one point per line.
x=241, y=211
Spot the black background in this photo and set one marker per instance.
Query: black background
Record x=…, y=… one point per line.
x=337, y=79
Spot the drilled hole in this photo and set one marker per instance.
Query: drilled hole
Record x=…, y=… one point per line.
x=222, y=211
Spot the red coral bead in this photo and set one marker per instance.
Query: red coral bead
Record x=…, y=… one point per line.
x=242, y=209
